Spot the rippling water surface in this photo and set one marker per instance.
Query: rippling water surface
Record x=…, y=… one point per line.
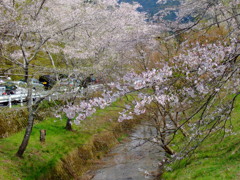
x=133, y=159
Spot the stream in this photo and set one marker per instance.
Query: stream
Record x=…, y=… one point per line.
x=134, y=159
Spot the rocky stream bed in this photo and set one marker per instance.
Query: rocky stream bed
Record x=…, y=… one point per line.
x=134, y=159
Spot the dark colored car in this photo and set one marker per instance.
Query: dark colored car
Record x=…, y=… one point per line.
x=48, y=81
x=89, y=81
x=10, y=88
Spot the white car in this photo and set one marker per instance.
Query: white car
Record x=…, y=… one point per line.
x=21, y=90
x=35, y=83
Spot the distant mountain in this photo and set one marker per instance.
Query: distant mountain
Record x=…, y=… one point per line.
x=151, y=6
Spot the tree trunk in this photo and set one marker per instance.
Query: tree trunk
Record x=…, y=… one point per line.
x=68, y=125
x=167, y=149
x=175, y=122
x=31, y=114
x=26, y=73
x=28, y=132
x=53, y=64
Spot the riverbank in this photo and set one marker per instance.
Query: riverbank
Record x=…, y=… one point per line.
x=13, y=120
x=217, y=158
x=65, y=154
x=69, y=154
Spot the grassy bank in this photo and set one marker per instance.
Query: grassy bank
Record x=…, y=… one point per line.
x=14, y=119
x=62, y=148
x=215, y=159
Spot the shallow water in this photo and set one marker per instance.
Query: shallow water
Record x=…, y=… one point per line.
x=134, y=159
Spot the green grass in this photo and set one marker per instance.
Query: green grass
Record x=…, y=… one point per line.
x=214, y=159
x=41, y=158
x=38, y=157
x=121, y=138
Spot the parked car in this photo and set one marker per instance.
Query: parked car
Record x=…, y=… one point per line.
x=90, y=80
x=21, y=90
x=34, y=82
x=2, y=81
x=10, y=88
x=70, y=82
x=2, y=90
x=48, y=81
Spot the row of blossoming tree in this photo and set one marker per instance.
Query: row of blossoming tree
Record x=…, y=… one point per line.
x=189, y=76
x=190, y=90
x=85, y=36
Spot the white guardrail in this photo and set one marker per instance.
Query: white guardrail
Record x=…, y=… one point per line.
x=21, y=97
x=17, y=97
x=13, y=97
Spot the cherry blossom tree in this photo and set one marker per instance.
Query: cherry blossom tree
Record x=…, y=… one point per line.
x=185, y=93
x=86, y=33
x=184, y=96
x=23, y=40
x=190, y=92
x=106, y=34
